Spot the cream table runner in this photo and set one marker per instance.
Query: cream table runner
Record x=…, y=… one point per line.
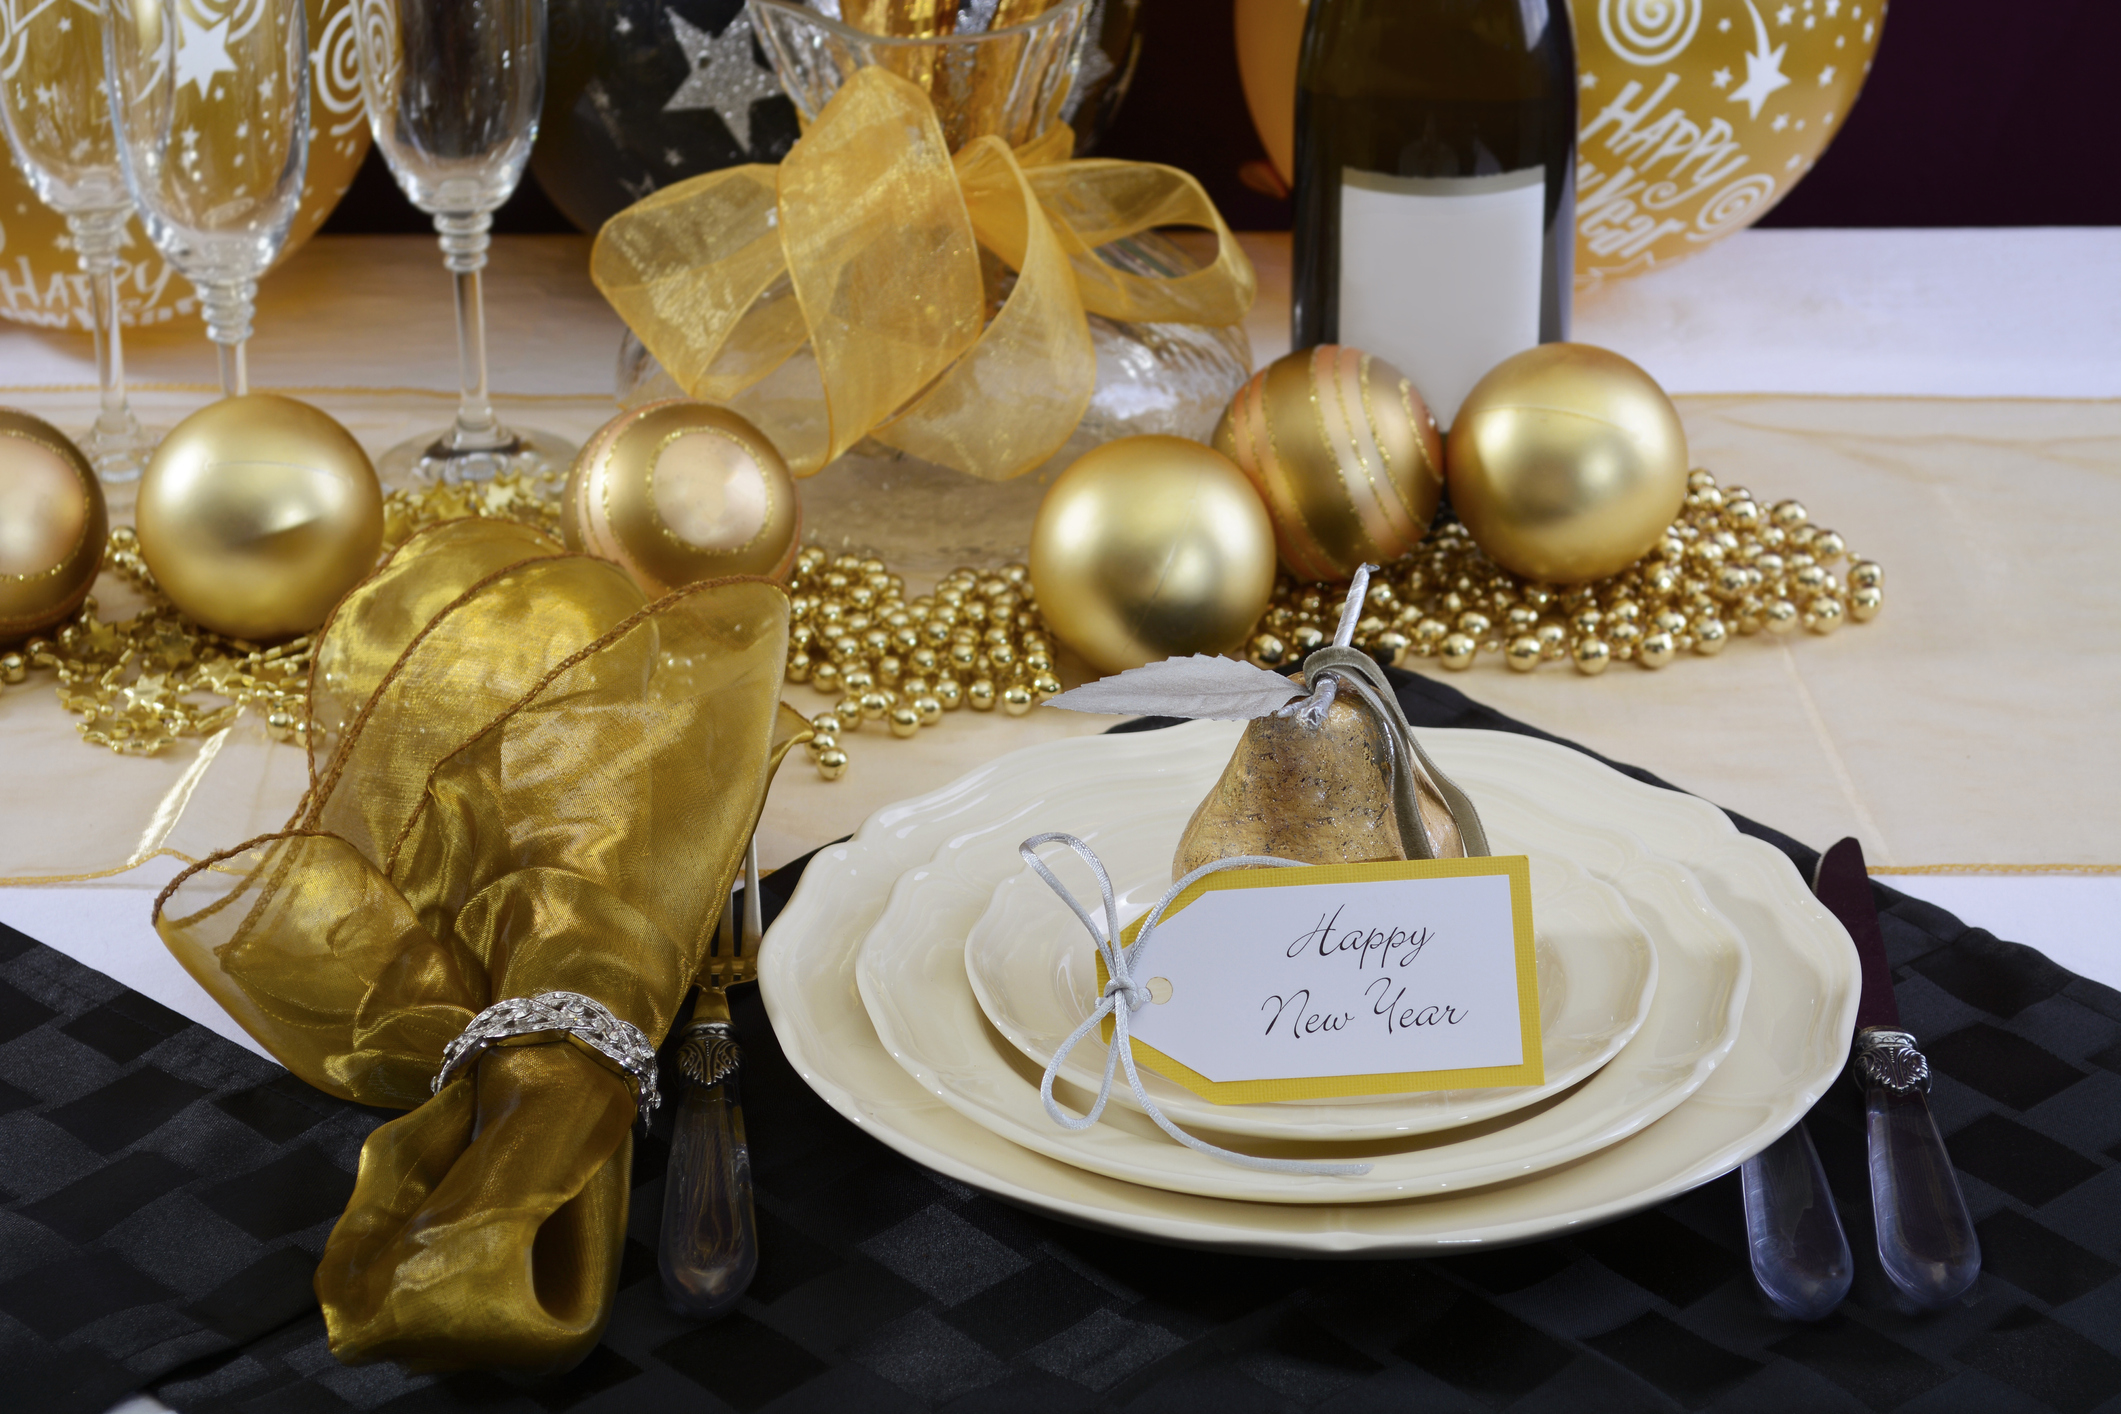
x=1964, y=733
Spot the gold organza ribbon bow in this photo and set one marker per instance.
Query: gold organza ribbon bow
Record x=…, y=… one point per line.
x=524, y=779
x=865, y=244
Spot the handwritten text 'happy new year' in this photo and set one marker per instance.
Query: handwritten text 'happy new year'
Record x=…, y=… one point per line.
x=1384, y=997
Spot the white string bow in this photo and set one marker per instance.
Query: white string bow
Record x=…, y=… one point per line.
x=1123, y=996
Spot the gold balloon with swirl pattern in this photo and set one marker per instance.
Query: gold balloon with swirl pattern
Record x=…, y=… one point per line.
x=40, y=280
x=1694, y=117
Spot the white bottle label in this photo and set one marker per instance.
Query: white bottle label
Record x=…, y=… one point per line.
x=1439, y=276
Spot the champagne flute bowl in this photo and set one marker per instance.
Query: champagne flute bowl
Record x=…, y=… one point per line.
x=57, y=119
x=453, y=89
x=211, y=108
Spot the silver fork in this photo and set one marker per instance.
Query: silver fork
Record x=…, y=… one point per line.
x=709, y=1247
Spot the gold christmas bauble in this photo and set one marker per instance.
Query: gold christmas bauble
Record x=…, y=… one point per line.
x=1566, y=463
x=257, y=514
x=1345, y=454
x=1694, y=117
x=43, y=282
x=676, y=492
x=52, y=525
x=1149, y=547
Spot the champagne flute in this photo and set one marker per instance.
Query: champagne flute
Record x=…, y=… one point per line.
x=453, y=89
x=211, y=105
x=58, y=122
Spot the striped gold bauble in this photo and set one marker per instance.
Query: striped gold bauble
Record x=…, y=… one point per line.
x=1344, y=452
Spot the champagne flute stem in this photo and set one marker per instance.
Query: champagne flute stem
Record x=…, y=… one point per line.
x=228, y=306
x=116, y=440
x=465, y=240
x=235, y=371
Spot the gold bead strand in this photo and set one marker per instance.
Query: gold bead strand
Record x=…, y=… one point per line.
x=976, y=640
x=1726, y=567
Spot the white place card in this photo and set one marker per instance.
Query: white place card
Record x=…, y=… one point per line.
x=1346, y=979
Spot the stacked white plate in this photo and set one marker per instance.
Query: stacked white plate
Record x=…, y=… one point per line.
x=1695, y=1000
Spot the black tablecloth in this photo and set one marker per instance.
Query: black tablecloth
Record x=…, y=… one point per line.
x=166, y=1193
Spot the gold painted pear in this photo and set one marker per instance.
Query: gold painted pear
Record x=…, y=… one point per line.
x=1320, y=794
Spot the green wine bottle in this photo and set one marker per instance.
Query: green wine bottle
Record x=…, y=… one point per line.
x=1435, y=184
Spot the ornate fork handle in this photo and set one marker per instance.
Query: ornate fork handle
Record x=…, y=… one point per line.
x=709, y=1247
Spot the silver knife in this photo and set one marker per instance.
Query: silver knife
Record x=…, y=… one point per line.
x=1926, y=1239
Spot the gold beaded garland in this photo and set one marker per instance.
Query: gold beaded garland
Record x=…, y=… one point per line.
x=134, y=683
x=1725, y=566
x=976, y=641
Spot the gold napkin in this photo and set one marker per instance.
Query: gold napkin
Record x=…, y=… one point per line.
x=524, y=778
x=866, y=245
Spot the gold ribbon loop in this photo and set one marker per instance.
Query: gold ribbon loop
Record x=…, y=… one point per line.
x=865, y=244
x=1039, y=326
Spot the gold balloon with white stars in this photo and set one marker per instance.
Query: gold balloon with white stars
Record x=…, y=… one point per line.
x=49, y=45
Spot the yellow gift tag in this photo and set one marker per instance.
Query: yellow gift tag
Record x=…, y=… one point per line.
x=1344, y=979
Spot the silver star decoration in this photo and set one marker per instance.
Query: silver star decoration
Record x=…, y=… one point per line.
x=724, y=76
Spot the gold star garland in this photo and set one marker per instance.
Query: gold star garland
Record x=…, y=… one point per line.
x=136, y=683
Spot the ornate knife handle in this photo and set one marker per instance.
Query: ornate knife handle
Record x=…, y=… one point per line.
x=710, y=1246
x=1926, y=1238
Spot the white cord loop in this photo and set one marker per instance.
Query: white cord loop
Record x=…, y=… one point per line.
x=1122, y=963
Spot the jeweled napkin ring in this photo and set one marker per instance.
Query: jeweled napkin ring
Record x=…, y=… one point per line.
x=586, y=1019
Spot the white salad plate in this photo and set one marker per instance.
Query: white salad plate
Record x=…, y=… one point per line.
x=911, y=974
x=1033, y=970
x=1792, y=1041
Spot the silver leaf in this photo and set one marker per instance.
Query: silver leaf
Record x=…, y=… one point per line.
x=1201, y=687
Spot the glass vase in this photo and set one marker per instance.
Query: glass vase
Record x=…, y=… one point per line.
x=995, y=71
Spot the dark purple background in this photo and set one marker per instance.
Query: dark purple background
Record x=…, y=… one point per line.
x=1978, y=113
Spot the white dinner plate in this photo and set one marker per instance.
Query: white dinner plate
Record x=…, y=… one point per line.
x=1791, y=1044
x=1033, y=970
x=912, y=980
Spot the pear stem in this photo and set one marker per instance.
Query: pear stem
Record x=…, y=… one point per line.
x=1311, y=711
